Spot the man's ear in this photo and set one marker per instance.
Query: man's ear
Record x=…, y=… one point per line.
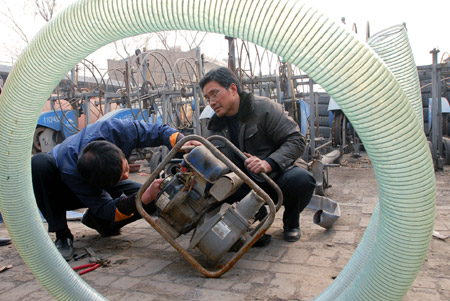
x=233, y=87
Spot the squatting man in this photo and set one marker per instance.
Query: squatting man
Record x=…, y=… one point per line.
x=90, y=170
x=270, y=139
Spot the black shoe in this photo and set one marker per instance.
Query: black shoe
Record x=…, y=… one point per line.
x=65, y=247
x=5, y=241
x=262, y=241
x=101, y=226
x=291, y=235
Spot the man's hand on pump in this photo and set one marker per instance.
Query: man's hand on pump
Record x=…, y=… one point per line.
x=256, y=165
x=151, y=192
x=190, y=145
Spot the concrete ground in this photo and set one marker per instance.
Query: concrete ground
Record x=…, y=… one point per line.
x=145, y=267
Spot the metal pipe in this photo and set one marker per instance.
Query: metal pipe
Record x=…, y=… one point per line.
x=436, y=108
x=312, y=116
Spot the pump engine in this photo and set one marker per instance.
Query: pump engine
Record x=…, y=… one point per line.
x=192, y=200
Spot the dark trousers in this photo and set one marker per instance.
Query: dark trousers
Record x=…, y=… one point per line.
x=297, y=185
x=54, y=197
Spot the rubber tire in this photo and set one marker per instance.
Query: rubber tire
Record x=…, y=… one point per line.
x=446, y=150
x=155, y=160
x=36, y=143
x=336, y=129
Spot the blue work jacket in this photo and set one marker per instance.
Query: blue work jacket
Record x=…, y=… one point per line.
x=126, y=134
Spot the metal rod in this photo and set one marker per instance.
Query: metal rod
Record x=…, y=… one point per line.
x=323, y=145
x=312, y=133
x=436, y=123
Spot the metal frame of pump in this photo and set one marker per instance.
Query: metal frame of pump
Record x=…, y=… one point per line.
x=160, y=225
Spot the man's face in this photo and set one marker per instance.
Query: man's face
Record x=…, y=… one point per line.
x=224, y=102
x=125, y=170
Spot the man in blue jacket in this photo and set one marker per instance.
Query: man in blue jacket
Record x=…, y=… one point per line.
x=90, y=170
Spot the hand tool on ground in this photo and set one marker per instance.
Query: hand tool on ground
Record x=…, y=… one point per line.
x=94, y=262
x=81, y=256
x=87, y=267
x=93, y=255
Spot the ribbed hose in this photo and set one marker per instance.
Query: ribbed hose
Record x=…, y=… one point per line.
x=392, y=45
x=395, y=243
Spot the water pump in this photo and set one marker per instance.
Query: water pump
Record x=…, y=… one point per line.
x=192, y=202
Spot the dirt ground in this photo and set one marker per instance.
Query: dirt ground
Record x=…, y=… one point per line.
x=143, y=266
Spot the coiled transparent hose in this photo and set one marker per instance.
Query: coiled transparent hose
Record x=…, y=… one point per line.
x=391, y=253
x=392, y=45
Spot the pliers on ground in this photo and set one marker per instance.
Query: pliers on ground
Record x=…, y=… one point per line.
x=94, y=262
x=87, y=267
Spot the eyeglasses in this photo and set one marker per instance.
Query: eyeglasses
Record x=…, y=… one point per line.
x=213, y=95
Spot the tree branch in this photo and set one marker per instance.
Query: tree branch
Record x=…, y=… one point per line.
x=15, y=26
x=45, y=8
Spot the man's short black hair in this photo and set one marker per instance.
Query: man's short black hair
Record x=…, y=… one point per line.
x=100, y=164
x=224, y=76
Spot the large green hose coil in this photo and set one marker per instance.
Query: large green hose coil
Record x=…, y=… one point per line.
x=392, y=45
x=393, y=248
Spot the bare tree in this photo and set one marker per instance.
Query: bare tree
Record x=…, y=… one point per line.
x=193, y=38
x=164, y=38
x=13, y=24
x=45, y=8
x=125, y=46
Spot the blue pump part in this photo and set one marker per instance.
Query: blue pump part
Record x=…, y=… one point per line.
x=53, y=119
x=305, y=111
x=204, y=162
x=445, y=108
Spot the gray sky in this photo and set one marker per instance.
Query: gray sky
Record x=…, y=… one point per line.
x=427, y=25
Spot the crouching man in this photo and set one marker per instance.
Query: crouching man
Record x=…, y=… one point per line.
x=90, y=170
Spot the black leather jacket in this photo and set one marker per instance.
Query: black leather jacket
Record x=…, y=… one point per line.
x=265, y=130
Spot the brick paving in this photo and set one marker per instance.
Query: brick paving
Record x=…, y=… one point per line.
x=145, y=267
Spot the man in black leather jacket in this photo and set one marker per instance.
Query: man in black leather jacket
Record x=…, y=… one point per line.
x=270, y=139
